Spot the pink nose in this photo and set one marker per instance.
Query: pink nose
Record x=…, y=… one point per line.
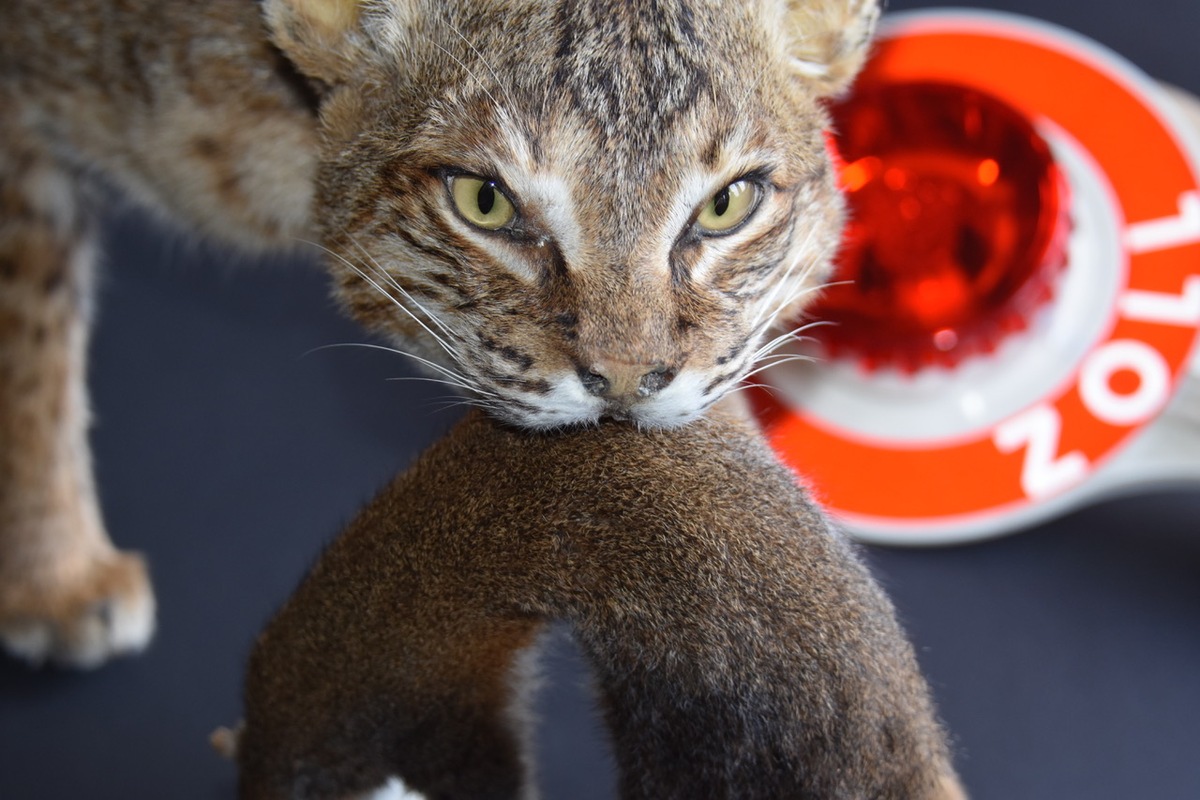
x=625, y=382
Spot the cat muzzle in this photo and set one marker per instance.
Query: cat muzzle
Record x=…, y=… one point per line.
x=625, y=384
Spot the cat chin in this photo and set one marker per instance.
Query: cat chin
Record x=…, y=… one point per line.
x=654, y=418
x=567, y=405
x=682, y=402
x=649, y=415
x=646, y=416
x=545, y=420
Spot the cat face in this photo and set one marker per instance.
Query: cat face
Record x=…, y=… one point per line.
x=579, y=210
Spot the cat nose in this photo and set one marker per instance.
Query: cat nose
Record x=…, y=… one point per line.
x=627, y=382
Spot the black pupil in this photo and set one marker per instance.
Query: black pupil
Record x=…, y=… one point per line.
x=721, y=202
x=486, y=198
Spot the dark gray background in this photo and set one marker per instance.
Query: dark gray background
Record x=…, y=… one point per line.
x=1066, y=660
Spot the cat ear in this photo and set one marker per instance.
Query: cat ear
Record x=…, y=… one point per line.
x=323, y=38
x=828, y=40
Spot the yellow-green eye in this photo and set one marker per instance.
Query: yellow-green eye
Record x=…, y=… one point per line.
x=728, y=208
x=481, y=202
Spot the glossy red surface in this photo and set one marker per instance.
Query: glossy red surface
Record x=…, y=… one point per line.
x=958, y=225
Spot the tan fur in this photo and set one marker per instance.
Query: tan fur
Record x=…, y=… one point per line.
x=739, y=647
x=340, y=123
x=829, y=38
x=335, y=16
x=64, y=591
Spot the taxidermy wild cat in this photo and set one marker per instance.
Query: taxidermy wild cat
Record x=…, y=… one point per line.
x=571, y=209
x=740, y=649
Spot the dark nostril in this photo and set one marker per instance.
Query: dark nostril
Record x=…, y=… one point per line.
x=655, y=381
x=593, y=382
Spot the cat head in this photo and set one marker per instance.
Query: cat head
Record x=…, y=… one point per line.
x=579, y=208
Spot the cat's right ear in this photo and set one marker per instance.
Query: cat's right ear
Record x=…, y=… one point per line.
x=325, y=39
x=828, y=40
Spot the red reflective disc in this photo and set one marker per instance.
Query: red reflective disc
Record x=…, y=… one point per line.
x=959, y=454
x=958, y=224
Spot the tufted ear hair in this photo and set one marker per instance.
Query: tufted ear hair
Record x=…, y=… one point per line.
x=329, y=39
x=321, y=37
x=828, y=40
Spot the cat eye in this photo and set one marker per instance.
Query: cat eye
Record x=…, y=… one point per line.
x=728, y=208
x=481, y=202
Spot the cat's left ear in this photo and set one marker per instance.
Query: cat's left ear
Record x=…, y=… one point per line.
x=332, y=39
x=828, y=40
x=318, y=36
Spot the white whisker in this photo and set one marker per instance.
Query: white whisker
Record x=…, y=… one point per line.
x=769, y=299
x=461, y=380
x=754, y=84
x=445, y=346
x=427, y=379
x=792, y=335
x=448, y=403
x=784, y=360
x=778, y=358
x=471, y=72
x=507, y=94
x=764, y=386
x=378, y=269
x=785, y=304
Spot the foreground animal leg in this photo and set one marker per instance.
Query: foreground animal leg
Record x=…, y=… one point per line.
x=387, y=662
x=749, y=663
x=741, y=648
x=66, y=594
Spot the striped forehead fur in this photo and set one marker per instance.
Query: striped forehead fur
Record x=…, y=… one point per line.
x=610, y=123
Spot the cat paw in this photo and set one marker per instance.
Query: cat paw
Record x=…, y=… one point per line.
x=102, y=611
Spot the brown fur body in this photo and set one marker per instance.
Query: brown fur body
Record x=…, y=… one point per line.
x=342, y=123
x=740, y=648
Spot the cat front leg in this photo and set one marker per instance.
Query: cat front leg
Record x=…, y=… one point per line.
x=66, y=594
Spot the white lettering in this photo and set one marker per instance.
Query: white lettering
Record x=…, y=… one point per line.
x=1044, y=472
x=1167, y=232
x=1152, y=392
x=1169, y=309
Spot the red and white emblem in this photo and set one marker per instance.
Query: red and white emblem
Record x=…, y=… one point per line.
x=1026, y=286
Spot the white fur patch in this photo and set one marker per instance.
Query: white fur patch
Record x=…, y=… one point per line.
x=394, y=789
x=679, y=403
x=54, y=196
x=811, y=69
x=126, y=628
x=551, y=197
x=512, y=259
x=694, y=191
x=32, y=643
x=567, y=403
